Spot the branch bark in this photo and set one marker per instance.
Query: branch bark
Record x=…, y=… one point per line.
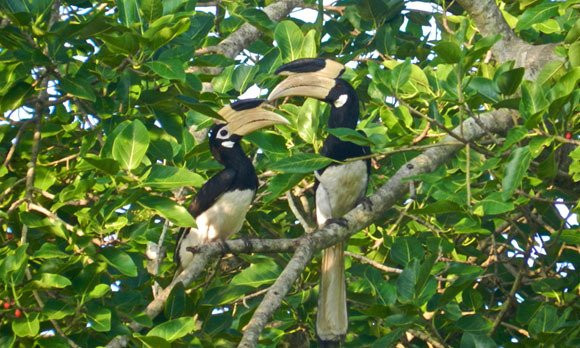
x=489, y=21
x=247, y=33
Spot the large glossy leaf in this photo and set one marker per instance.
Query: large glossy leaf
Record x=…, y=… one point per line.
x=289, y=38
x=167, y=177
x=27, y=326
x=130, y=145
x=169, y=210
x=257, y=274
x=171, y=69
x=301, y=163
x=537, y=14
x=515, y=171
x=120, y=261
x=173, y=329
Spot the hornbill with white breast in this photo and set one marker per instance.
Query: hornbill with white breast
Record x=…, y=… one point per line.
x=221, y=204
x=339, y=187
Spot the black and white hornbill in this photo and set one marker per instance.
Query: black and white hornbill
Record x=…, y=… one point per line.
x=221, y=204
x=339, y=187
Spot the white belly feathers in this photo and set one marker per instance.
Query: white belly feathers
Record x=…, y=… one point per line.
x=225, y=217
x=340, y=188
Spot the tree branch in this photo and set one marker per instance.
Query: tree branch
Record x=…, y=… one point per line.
x=489, y=20
x=246, y=34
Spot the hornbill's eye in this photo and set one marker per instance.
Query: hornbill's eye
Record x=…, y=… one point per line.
x=223, y=134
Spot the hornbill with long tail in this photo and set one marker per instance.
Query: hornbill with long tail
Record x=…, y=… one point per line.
x=339, y=187
x=221, y=204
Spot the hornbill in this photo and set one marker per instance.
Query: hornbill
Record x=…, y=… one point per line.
x=339, y=187
x=221, y=204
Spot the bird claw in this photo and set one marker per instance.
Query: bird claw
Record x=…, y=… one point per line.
x=366, y=203
x=339, y=221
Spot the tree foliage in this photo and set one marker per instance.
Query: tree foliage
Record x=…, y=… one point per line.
x=104, y=105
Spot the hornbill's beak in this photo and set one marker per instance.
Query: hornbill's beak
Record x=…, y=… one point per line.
x=248, y=115
x=311, y=77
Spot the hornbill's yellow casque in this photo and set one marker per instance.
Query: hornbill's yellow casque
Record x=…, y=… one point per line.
x=339, y=187
x=221, y=204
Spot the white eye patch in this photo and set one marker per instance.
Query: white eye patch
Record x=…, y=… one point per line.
x=229, y=144
x=342, y=99
x=223, y=134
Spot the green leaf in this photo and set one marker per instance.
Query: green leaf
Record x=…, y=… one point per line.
x=56, y=310
x=29, y=326
x=280, y=184
x=175, y=304
x=270, y=142
x=309, y=47
x=351, y=135
x=448, y=51
x=165, y=29
x=78, y=88
x=173, y=329
x=405, y=249
x=119, y=260
x=107, y=165
x=509, y=81
x=485, y=87
x=300, y=163
x=470, y=340
x=544, y=320
x=259, y=19
x=533, y=101
x=222, y=83
x=169, y=210
x=166, y=177
x=571, y=236
x=307, y=120
x=265, y=272
x=537, y=14
x=474, y=324
x=49, y=251
x=171, y=69
x=128, y=11
x=401, y=74
x=515, y=171
x=99, y=291
x=493, y=204
x=99, y=318
x=151, y=10
x=289, y=38
x=50, y=280
x=153, y=342
x=130, y=145
x=16, y=96
x=407, y=281
x=243, y=77
x=574, y=54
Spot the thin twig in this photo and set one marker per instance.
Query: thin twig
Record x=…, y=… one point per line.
x=307, y=227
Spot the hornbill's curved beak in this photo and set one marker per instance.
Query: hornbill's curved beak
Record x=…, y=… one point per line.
x=248, y=115
x=310, y=77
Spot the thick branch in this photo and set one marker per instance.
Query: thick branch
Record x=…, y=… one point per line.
x=498, y=121
x=246, y=34
x=489, y=20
